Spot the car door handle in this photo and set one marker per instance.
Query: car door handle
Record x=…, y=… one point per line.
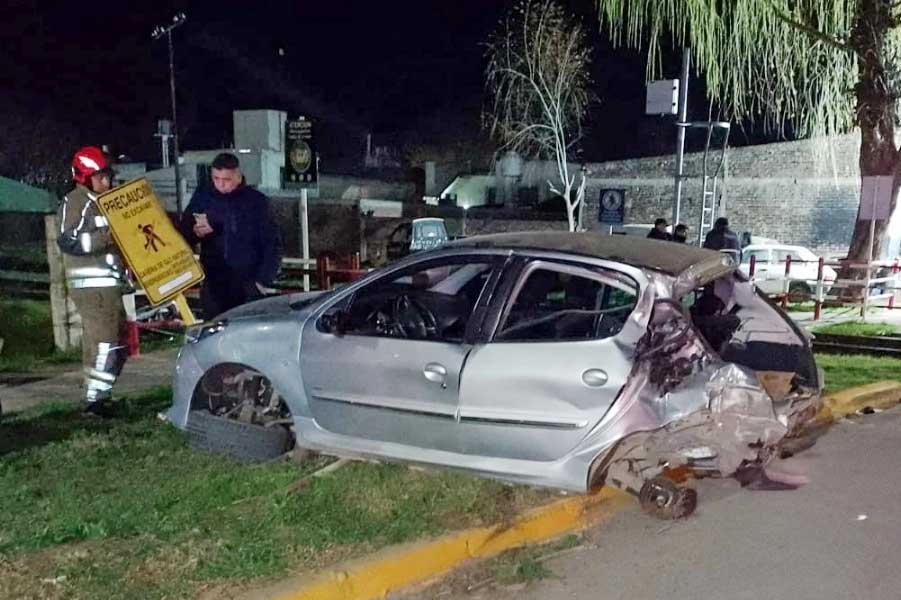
x=436, y=373
x=594, y=378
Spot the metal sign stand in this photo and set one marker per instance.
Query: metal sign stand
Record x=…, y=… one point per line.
x=305, y=233
x=181, y=303
x=681, y=125
x=301, y=171
x=708, y=195
x=880, y=196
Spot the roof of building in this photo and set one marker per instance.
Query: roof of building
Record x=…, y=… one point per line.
x=19, y=197
x=667, y=257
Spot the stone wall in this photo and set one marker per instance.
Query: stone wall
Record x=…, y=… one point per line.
x=333, y=227
x=338, y=226
x=803, y=192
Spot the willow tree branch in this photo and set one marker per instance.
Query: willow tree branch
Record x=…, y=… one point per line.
x=812, y=31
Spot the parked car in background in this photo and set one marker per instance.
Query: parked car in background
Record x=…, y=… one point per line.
x=416, y=236
x=559, y=359
x=769, y=269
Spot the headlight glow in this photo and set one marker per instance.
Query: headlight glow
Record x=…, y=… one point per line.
x=197, y=333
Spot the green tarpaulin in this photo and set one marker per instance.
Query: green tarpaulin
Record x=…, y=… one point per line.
x=18, y=197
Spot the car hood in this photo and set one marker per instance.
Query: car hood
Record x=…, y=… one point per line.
x=276, y=305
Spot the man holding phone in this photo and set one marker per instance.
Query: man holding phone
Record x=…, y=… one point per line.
x=239, y=242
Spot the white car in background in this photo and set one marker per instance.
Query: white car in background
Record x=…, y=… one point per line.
x=769, y=270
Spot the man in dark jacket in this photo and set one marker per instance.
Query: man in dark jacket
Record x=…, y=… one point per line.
x=659, y=231
x=239, y=243
x=722, y=238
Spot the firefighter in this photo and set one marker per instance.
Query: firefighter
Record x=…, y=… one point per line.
x=95, y=276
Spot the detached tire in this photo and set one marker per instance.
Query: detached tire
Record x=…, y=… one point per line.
x=664, y=499
x=244, y=441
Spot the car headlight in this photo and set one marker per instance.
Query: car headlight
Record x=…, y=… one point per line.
x=196, y=333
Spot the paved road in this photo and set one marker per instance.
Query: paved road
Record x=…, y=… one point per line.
x=848, y=313
x=140, y=373
x=839, y=536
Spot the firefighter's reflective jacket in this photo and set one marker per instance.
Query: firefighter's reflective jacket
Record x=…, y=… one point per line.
x=90, y=254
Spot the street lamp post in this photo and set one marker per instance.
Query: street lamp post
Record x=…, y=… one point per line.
x=157, y=33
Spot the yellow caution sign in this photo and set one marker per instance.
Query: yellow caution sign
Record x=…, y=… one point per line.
x=157, y=255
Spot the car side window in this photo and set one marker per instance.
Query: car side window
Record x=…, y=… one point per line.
x=432, y=302
x=560, y=304
x=781, y=255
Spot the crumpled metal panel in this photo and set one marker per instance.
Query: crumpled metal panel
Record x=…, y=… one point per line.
x=701, y=273
x=738, y=425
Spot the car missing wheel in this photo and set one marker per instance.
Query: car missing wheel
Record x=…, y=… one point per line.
x=553, y=359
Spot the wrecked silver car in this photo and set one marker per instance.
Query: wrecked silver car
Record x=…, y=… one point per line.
x=556, y=359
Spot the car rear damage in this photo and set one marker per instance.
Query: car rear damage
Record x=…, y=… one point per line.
x=689, y=410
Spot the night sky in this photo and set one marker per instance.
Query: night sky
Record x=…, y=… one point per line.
x=401, y=69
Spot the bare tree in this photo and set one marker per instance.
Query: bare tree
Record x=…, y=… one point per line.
x=537, y=90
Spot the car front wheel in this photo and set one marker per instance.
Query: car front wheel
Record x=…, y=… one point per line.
x=236, y=411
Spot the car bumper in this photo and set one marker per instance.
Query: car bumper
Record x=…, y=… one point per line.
x=187, y=374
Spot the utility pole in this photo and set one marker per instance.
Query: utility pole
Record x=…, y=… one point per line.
x=157, y=33
x=681, y=125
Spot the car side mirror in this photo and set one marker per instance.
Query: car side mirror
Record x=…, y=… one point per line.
x=335, y=321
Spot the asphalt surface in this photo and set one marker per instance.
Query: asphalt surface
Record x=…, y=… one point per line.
x=837, y=536
x=847, y=313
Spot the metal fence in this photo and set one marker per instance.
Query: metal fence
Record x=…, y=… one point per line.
x=878, y=286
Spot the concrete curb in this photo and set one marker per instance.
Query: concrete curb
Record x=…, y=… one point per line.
x=374, y=577
x=396, y=568
x=881, y=395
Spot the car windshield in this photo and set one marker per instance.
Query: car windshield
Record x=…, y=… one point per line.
x=443, y=280
x=423, y=302
x=430, y=230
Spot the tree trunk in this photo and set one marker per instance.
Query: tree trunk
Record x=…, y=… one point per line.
x=570, y=207
x=876, y=118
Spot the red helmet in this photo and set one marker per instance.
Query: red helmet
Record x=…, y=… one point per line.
x=86, y=162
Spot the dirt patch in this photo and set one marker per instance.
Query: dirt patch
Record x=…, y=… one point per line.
x=16, y=379
x=46, y=574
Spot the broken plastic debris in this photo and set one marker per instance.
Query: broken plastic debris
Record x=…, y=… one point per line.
x=699, y=453
x=753, y=477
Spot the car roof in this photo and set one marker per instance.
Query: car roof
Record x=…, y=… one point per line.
x=668, y=257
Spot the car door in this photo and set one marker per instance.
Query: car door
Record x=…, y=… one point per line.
x=554, y=366
x=389, y=374
x=799, y=270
